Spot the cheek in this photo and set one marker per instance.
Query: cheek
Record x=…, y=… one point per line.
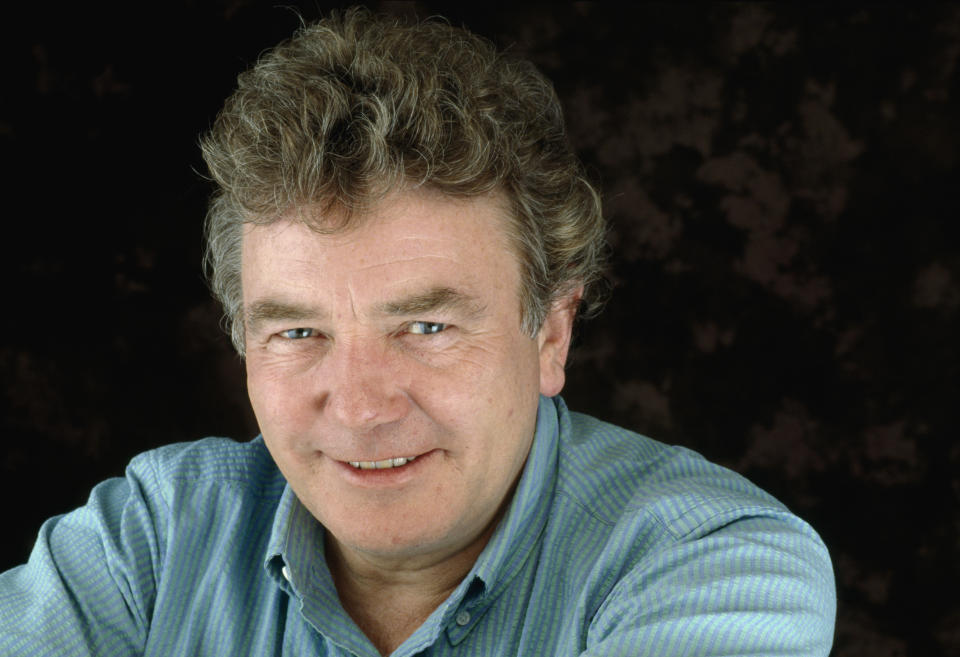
x=278, y=400
x=497, y=397
x=510, y=390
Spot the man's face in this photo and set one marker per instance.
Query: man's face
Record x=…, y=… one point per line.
x=399, y=338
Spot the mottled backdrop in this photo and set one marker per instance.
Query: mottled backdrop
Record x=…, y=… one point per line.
x=782, y=188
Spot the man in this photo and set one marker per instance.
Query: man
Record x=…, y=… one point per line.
x=402, y=239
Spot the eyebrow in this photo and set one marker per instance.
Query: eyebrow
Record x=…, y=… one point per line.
x=272, y=310
x=433, y=300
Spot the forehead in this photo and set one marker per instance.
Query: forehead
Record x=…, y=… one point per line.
x=405, y=240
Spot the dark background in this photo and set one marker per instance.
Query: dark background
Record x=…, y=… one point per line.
x=782, y=186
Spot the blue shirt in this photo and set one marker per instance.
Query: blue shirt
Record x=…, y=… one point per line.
x=614, y=544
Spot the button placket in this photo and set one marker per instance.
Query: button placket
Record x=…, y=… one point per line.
x=462, y=624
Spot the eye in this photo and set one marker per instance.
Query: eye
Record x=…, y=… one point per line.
x=426, y=328
x=298, y=333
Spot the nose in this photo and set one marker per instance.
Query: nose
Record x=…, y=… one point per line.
x=362, y=385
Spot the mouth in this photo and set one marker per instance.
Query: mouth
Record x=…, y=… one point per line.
x=389, y=474
x=385, y=464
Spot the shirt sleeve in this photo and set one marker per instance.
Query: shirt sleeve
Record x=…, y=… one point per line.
x=90, y=583
x=759, y=585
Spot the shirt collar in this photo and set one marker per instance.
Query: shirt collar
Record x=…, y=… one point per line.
x=521, y=526
x=296, y=543
x=296, y=561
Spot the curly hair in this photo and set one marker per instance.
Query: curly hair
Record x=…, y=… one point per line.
x=358, y=105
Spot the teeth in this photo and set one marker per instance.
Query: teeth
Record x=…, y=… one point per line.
x=382, y=465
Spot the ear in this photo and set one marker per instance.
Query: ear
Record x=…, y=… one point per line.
x=554, y=342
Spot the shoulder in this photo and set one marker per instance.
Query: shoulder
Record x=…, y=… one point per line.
x=217, y=462
x=616, y=472
x=686, y=551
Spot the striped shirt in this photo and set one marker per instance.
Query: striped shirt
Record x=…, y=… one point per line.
x=613, y=544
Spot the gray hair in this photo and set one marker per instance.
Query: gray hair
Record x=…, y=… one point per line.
x=357, y=105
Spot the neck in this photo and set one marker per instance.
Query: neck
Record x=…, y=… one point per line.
x=390, y=599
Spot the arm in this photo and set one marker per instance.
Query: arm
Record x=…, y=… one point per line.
x=89, y=586
x=760, y=585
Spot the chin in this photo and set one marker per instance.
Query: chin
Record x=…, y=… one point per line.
x=392, y=544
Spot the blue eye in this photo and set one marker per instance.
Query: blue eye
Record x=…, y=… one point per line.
x=298, y=333
x=426, y=328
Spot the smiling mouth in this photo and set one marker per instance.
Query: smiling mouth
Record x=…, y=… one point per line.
x=382, y=465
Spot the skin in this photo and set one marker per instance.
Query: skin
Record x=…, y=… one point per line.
x=399, y=337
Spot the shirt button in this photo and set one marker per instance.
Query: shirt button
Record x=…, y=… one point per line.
x=286, y=573
x=463, y=617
